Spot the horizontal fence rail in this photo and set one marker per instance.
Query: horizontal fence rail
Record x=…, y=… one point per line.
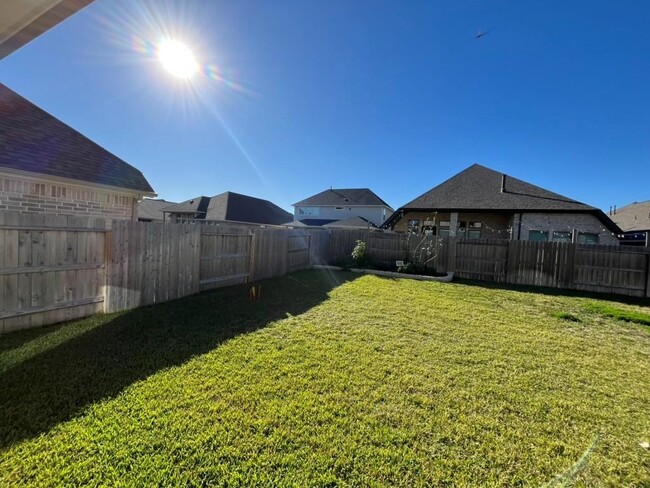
x=58, y=268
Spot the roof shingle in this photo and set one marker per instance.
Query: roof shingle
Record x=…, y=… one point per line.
x=478, y=187
x=35, y=141
x=633, y=217
x=344, y=197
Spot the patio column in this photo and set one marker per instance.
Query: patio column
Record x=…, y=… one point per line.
x=453, y=224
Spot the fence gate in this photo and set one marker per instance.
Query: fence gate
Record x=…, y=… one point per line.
x=225, y=258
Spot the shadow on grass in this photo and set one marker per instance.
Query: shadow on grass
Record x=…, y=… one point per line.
x=18, y=339
x=60, y=382
x=643, y=302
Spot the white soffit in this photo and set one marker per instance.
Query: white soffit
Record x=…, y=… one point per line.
x=21, y=21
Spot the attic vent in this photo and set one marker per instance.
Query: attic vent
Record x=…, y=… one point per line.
x=191, y=201
x=346, y=199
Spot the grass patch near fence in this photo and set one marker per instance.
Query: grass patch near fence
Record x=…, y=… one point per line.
x=332, y=379
x=618, y=313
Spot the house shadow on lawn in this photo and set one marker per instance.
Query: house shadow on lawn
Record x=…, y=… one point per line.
x=558, y=292
x=57, y=384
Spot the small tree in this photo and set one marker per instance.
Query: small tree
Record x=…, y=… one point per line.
x=424, y=250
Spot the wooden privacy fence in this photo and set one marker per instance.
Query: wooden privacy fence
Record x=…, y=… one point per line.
x=155, y=262
x=52, y=269
x=609, y=269
x=56, y=268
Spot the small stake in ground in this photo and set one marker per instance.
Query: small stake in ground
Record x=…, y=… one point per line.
x=254, y=293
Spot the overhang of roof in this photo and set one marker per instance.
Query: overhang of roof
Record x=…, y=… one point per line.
x=22, y=21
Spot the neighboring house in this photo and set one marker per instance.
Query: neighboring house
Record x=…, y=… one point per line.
x=48, y=167
x=634, y=221
x=339, y=204
x=482, y=203
x=228, y=206
x=150, y=209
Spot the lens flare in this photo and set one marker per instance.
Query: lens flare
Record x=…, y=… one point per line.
x=177, y=58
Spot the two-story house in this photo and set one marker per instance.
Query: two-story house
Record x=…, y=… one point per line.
x=335, y=205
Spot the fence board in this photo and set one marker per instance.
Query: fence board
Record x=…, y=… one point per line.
x=270, y=253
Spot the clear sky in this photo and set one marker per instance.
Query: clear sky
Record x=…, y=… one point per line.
x=394, y=96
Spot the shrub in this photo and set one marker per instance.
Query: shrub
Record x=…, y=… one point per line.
x=359, y=254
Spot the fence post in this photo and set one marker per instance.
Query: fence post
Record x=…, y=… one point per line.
x=647, y=275
x=108, y=256
x=251, y=256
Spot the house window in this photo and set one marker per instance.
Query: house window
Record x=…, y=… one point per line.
x=587, y=238
x=414, y=225
x=469, y=229
x=561, y=236
x=308, y=210
x=538, y=236
x=429, y=228
x=443, y=229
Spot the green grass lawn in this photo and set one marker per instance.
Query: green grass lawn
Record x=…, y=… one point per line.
x=333, y=380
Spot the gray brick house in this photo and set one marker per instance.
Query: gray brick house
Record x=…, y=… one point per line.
x=479, y=202
x=48, y=167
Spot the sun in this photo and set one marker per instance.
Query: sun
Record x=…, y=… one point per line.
x=177, y=58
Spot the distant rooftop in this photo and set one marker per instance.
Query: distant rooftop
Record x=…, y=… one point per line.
x=151, y=209
x=633, y=217
x=343, y=197
x=234, y=207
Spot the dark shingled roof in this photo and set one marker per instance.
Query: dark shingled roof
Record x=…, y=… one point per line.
x=478, y=188
x=343, y=197
x=351, y=223
x=33, y=140
x=151, y=209
x=633, y=217
x=316, y=222
x=235, y=207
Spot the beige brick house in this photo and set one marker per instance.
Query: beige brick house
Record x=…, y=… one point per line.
x=481, y=203
x=48, y=167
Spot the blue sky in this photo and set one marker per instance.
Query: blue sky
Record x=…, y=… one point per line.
x=394, y=96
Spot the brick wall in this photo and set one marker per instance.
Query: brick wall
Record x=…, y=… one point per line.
x=496, y=225
x=31, y=196
x=566, y=223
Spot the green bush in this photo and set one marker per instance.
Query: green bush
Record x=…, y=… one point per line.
x=360, y=254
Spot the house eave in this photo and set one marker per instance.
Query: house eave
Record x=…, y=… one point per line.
x=76, y=183
x=31, y=24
